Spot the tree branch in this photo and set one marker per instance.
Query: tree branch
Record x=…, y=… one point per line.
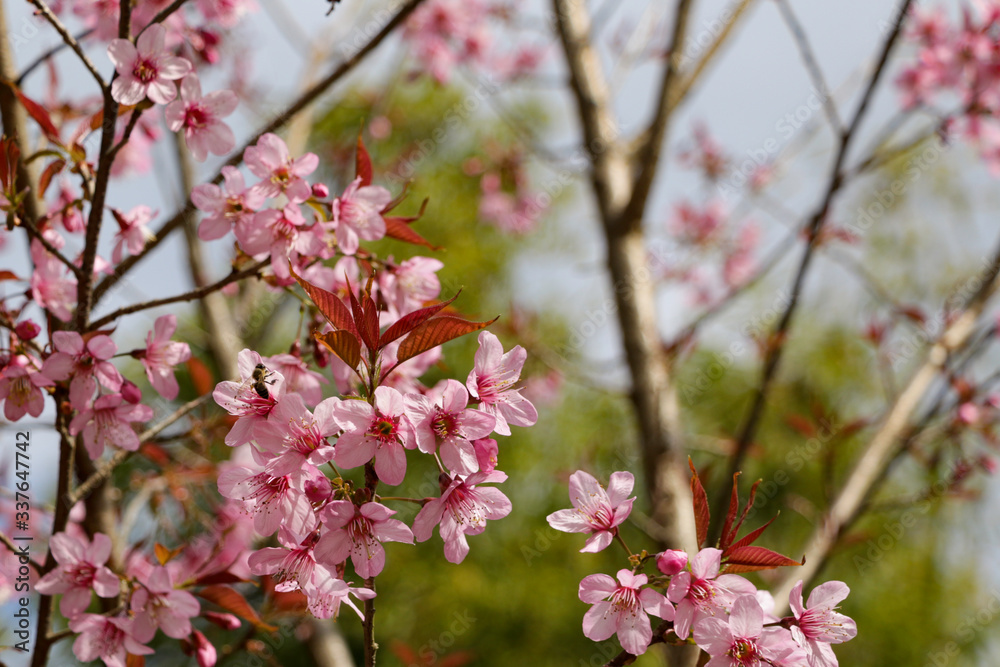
x=70, y=41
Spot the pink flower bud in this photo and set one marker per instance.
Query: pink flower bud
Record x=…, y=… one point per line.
x=318, y=490
x=671, y=561
x=204, y=651
x=989, y=464
x=225, y=621
x=131, y=393
x=320, y=191
x=27, y=330
x=968, y=413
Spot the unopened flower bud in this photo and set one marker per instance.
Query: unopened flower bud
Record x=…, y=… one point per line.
x=320, y=191
x=225, y=621
x=27, y=330
x=130, y=392
x=671, y=561
x=318, y=490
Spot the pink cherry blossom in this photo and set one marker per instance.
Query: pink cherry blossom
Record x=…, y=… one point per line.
x=85, y=362
x=292, y=566
x=411, y=284
x=671, y=561
x=227, y=13
x=622, y=607
x=380, y=433
x=200, y=118
x=358, y=532
x=20, y=387
x=597, y=511
x=492, y=382
x=99, y=14
x=358, y=214
x=270, y=160
x=157, y=604
x=232, y=204
x=818, y=624
x=296, y=437
x=240, y=399
x=273, y=501
x=146, y=69
x=281, y=233
x=133, y=232
x=743, y=641
x=298, y=377
x=81, y=570
x=52, y=286
x=448, y=422
x=109, y=639
x=462, y=510
x=702, y=592
x=330, y=592
x=162, y=354
x=107, y=423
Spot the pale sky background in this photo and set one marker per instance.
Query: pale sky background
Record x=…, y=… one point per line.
x=750, y=88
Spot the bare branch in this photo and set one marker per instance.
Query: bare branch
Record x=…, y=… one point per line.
x=70, y=41
x=37, y=62
x=812, y=65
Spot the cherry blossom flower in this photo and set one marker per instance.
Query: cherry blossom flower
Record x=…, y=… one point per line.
x=199, y=116
x=107, y=423
x=157, y=604
x=240, y=399
x=282, y=233
x=146, y=69
x=330, y=592
x=818, y=624
x=622, y=607
x=270, y=160
x=449, y=423
x=492, y=382
x=358, y=532
x=596, y=511
x=702, y=592
x=85, y=362
x=380, y=433
x=110, y=639
x=462, y=510
x=102, y=15
x=291, y=565
x=232, y=204
x=162, y=354
x=298, y=377
x=20, y=387
x=81, y=570
x=296, y=437
x=133, y=232
x=743, y=641
x=357, y=214
x=411, y=284
x=273, y=501
x=51, y=285
x=227, y=13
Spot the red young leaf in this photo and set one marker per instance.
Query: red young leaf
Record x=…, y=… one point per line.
x=219, y=578
x=411, y=321
x=436, y=331
x=366, y=332
x=333, y=308
x=398, y=229
x=701, y=513
x=801, y=424
x=201, y=377
x=51, y=170
x=734, y=507
x=750, y=559
x=233, y=602
x=363, y=163
x=749, y=538
x=743, y=515
x=40, y=114
x=343, y=344
x=132, y=660
x=8, y=275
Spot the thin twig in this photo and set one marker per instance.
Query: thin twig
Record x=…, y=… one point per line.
x=48, y=54
x=70, y=41
x=199, y=293
x=29, y=227
x=9, y=543
x=163, y=15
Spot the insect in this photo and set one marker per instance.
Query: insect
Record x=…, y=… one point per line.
x=260, y=376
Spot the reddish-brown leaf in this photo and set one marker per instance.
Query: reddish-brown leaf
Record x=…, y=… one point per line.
x=48, y=173
x=751, y=559
x=219, y=578
x=40, y=114
x=802, y=425
x=734, y=507
x=343, y=344
x=436, y=331
x=398, y=229
x=8, y=275
x=201, y=376
x=135, y=660
x=363, y=163
x=333, y=309
x=411, y=321
x=363, y=323
x=701, y=512
x=163, y=554
x=234, y=603
x=750, y=537
x=746, y=509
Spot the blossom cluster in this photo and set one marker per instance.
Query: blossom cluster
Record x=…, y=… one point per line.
x=722, y=612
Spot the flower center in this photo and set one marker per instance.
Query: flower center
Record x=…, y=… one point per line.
x=744, y=651
x=625, y=598
x=444, y=424
x=144, y=70
x=196, y=117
